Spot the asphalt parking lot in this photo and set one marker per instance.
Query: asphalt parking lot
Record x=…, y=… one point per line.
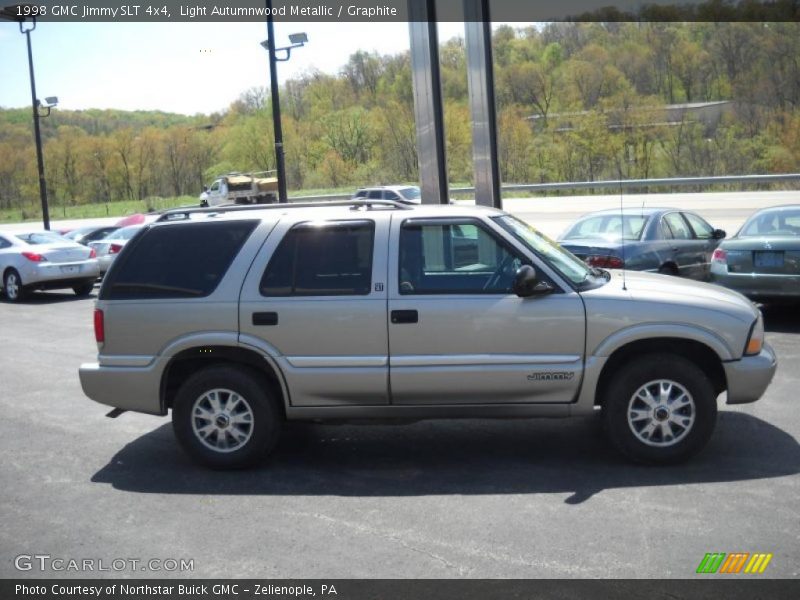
x=510, y=499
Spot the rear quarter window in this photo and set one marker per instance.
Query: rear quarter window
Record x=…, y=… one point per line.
x=176, y=261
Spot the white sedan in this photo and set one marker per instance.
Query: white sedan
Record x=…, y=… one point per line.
x=44, y=260
x=111, y=245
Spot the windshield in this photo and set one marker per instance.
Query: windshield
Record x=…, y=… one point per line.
x=608, y=227
x=411, y=193
x=773, y=223
x=41, y=237
x=565, y=262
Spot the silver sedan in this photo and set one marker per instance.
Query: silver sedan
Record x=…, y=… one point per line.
x=43, y=260
x=111, y=245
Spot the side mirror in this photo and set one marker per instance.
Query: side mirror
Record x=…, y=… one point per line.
x=526, y=284
x=719, y=234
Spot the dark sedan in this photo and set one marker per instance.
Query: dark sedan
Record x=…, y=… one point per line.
x=762, y=261
x=92, y=233
x=663, y=240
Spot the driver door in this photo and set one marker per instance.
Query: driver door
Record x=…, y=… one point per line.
x=457, y=332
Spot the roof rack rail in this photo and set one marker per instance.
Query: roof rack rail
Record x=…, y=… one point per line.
x=178, y=214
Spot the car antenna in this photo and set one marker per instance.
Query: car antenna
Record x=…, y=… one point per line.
x=622, y=230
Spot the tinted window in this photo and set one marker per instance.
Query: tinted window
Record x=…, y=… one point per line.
x=4, y=243
x=678, y=227
x=176, y=261
x=334, y=259
x=390, y=195
x=375, y=194
x=782, y=222
x=611, y=227
x=412, y=193
x=454, y=258
x=702, y=230
x=41, y=237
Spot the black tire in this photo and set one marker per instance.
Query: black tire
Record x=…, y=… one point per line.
x=668, y=269
x=266, y=417
x=83, y=289
x=661, y=449
x=12, y=286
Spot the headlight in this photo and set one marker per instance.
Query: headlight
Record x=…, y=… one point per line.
x=756, y=339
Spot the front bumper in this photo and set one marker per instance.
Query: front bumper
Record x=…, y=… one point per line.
x=128, y=388
x=749, y=377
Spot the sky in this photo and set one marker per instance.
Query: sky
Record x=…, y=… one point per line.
x=186, y=68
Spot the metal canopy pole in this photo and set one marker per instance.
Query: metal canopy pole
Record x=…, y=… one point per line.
x=480, y=79
x=428, y=101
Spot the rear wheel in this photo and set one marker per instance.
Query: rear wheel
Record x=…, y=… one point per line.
x=225, y=417
x=660, y=409
x=83, y=289
x=668, y=269
x=12, y=286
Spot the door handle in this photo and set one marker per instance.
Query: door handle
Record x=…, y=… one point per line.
x=404, y=316
x=265, y=318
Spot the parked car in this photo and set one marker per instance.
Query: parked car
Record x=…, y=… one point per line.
x=111, y=245
x=92, y=233
x=237, y=319
x=663, y=240
x=409, y=194
x=44, y=260
x=762, y=261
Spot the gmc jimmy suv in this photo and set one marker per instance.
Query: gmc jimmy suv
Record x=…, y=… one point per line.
x=238, y=319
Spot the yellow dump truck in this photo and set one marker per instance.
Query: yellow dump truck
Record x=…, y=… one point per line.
x=242, y=188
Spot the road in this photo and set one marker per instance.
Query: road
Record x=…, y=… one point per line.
x=497, y=499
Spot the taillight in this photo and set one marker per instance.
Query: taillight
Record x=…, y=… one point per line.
x=35, y=257
x=114, y=248
x=99, y=326
x=92, y=253
x=606, y=262
x=719, y=256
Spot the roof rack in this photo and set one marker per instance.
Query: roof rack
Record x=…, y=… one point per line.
x=178, y=214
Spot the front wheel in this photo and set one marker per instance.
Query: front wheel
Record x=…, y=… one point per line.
x=660, y=409
x=225, y=417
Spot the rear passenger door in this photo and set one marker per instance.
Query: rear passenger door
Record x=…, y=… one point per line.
x=315, y=299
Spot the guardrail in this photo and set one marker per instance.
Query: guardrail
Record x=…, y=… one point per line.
x=615, y=184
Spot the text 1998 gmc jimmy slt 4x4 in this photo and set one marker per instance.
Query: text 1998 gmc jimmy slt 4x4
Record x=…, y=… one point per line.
x=238, y=319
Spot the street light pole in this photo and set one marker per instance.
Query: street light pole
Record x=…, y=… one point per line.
x=276, y=107
x=36, y=132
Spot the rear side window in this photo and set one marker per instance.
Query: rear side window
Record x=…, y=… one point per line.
x=334, y=259
x=176, y=261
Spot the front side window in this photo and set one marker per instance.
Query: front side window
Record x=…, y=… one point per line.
x=322, y=259
x=454, y=258
x=678, y=227
x=702, y=230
